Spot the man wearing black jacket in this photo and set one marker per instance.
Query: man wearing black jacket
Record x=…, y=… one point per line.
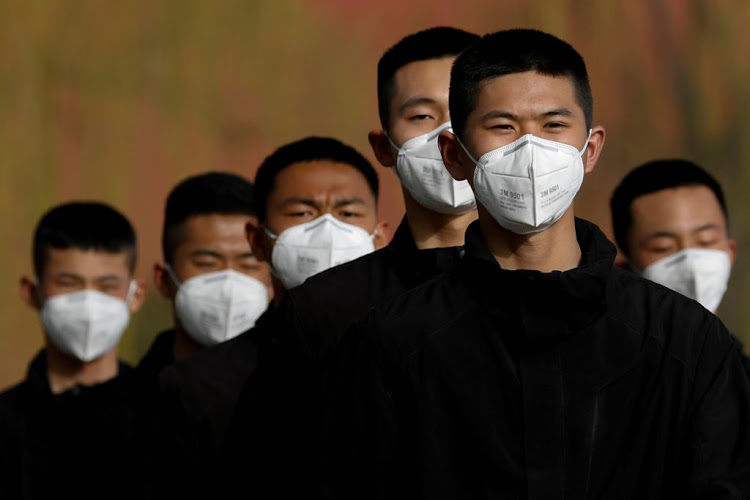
x=68, y=430
x=310, y=195
x=209, y=271
x=277, y=411
x=536, y=369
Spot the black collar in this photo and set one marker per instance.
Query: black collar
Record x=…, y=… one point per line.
x=38, y=381
x=549, y=304
x=415, y=265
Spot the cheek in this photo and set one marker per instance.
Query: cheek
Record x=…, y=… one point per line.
x=263, y=275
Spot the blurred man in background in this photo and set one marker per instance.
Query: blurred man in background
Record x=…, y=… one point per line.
x=316, y=206
x=671, y=223
x=217, y=286
x=68, y=430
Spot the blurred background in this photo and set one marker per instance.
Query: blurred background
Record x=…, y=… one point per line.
x=118, y=101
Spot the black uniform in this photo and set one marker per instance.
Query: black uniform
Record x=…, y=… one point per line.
x=196, y=398
x=276, y=421
x=488, y=383
x=77, y=444
x=158, y=356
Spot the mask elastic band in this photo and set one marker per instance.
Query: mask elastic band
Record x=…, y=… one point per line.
x=173, y=275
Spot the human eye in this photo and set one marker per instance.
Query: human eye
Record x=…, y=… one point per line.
x=555, y=125
x=420, y=117
x=503, y=127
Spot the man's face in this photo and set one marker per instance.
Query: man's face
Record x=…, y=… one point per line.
x=671, y=220
x=72, y=270
x=307, y=190
x=420, y=98
x=216, y=242
x=511, y=106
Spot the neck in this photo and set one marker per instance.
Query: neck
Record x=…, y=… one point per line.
x=279, y=290
x=555, y=249
x=184, y=345
x=433, y=230
x=65, y=372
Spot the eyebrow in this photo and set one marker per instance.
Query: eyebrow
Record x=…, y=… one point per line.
x=349, y=201
x=298, y=200
x=497, y=113
x=68, y=275
x=659, y=234
x=707, y=226
x=108, y=277
x=415, y=101
x=202, y=252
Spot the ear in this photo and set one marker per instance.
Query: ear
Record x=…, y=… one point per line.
x=163, y=282
x=30, y=292
x=732, y=249
x=139, y=296
x=382, y=148
x=454, y=158
x=257, y=239
x=594, y=149
x=382, y=235
x=623, y=264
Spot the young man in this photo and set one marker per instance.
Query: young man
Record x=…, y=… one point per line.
x=413, y=80
x=670, y=221
x=217, y=286
x=316, y=205
x=68, y=429
x=536, y=369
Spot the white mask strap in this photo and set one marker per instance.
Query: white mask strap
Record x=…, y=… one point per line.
x=269, y=233
x=173, y=275
x=460, y=142
x=132, y=288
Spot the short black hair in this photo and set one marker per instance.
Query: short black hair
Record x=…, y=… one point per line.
x=433, y=43
x=211, y=193
x=84, y=226
x=515, y=51
x=652, y=177
x=304, y=150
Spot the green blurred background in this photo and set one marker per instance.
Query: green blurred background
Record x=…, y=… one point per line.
x=118, y=101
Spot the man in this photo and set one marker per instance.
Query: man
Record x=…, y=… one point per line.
x=413, y=80
x=217, y=286
x=670, y=221
x=536, y=369
x=67, y=430
x=316, y=206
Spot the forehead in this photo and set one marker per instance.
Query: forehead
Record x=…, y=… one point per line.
x=320, y=178
x=430, y=77
x=679, y=209
x=206, y=229
x=527, y=94
x=86, y=263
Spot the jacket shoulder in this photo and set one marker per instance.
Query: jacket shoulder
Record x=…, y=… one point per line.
x=682, y=327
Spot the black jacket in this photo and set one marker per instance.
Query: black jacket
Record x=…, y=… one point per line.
x=194, y=404
x=275, y=426
x=488, y=383
x=159, y=355
x=77, y=444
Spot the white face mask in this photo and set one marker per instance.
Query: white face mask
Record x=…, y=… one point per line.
x=420, y=169
x=217, y=306
x=697, y=273
x=307, y=249
x=529, y=184
x=86, y=324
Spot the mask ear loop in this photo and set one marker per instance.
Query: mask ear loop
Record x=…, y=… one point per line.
x=172, y=275
x=132, y=288
x=586, y=145
x=471, y=157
